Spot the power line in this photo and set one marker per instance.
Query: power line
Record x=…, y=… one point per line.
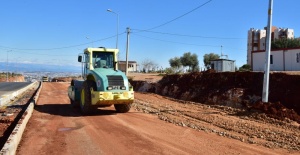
x=182, y=43
x=41, y=53
x=57, y=48
x=180, y=16
x=185, y=35
x=172, y=41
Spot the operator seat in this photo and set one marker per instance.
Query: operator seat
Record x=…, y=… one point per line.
x=102, y=63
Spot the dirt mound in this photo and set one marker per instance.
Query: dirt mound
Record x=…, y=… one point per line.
x=149, y=77
x=210, y=71
x=234, y=89
x=276, y=110
x=18, y=78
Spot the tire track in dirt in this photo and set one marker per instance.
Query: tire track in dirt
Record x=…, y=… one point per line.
x=252, y=128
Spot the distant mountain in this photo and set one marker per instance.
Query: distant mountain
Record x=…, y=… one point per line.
x=25, y=67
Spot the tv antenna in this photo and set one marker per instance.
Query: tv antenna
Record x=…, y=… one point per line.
x=222, y=53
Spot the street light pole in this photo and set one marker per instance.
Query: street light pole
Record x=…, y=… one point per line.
x=7, y=65
x=127, y=49
x=265, y=94
x=109, y=10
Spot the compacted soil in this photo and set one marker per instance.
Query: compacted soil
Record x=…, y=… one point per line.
x=154, y=125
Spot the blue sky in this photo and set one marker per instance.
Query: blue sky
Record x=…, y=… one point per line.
x=55, y=31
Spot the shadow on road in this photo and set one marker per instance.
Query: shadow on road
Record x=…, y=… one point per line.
x=69, y=111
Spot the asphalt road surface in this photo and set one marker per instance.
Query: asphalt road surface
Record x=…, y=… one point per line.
x=8, y=87
x=57, y=128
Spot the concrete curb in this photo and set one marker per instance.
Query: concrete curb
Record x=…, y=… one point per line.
x=6, y=99
x=11, y=145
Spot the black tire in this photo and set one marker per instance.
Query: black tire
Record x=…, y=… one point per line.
x=122, y=108
x=74, y=104
x=85, y=97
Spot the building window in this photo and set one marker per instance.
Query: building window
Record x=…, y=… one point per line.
x=130, y=65
x=271, y=59
x=298, y=57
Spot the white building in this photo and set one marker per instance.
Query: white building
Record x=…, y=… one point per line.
x=132, y=66
x=257, y=39
x=223, y=65
x=281, y=33
x=256, y=42
x=280, y=60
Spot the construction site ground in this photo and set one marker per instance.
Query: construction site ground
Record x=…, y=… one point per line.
x=156, y=124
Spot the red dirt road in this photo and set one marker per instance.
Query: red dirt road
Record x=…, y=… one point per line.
x=57, y=128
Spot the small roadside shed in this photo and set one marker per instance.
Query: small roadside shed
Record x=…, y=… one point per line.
x=223, y=65
x=132, y=66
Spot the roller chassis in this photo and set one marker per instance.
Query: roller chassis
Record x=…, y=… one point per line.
x=82, y=97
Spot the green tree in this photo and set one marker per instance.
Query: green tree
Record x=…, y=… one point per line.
x=190, y=60
x=285, y=43
x=170, y=70
x=208, y=57
x=175, y=62
x=245, y=67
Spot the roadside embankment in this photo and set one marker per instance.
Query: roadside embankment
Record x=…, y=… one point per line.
x=233, y=89
x=18, y=78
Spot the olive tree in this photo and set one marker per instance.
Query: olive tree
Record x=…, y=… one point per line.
x=207, y=59
x=285, y=43
x=175, y=63
x=190, y=60
x=245, y=67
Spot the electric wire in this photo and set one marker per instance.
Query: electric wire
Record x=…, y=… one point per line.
x=40, y=53
x=185, y=35
x=183, y=43
x=172, y=41
x=57, y=48
x=72, y=46
x=198, y=7
x=137, y=31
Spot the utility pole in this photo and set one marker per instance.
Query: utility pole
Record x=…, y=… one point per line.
x=127, y=48
x=265, y=94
